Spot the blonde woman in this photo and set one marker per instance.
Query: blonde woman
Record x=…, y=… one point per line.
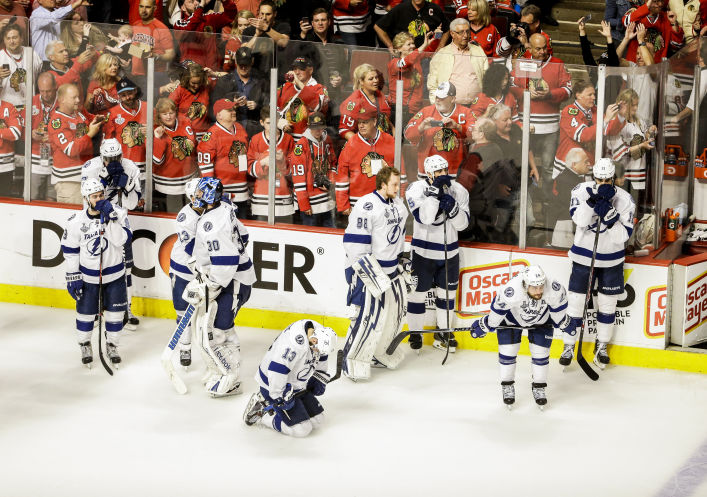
x=233, y=38
x=366, y=95
x=77, y=35
x=483, y=33
x=406, y=65
x=102, y=94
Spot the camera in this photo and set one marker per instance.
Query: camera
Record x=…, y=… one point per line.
x=321, y=181
x=434, y=122
x=515, y=32
x=289, y=77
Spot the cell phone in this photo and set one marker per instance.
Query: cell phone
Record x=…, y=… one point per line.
x=305, y=20
x=588, y=17
x=438, y=35
x=6, y=66
x=434, y=122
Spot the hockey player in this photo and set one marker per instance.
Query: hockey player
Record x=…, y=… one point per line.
x=121, y=178
x=596, y=204
x=438, y=204
x=179, y=271
x=526, y=301
x=291, y=376
x=374, y=240
x=92, y=245
x=221, y=286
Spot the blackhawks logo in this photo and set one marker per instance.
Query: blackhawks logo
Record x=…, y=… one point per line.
x=366, y=163
x=182, y=147
x=297, y=112
x=417, y=28
x=196, y=110
x=350, y=106
x=538, y=85
x=384, y=124
x=298, y=150
x=206, y=136
x=18, y=77
x=81, y=129
x=56, y=123
x=572, y=111
x=445, y=140
x=237, y=148
x=132, y=136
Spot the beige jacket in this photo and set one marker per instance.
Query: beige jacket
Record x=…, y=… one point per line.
x=686, y=14
x=443, y=61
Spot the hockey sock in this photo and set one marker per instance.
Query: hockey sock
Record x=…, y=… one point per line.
x=575, y=306
x=507, y=355
x=539, y=362
x=605, y=317
x=416, y=310
x=84, y=327
x=441, y=312
x=114, y=325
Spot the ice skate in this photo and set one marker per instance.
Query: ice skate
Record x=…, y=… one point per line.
x=509, y=393
x=126, y=322
x=539, y=395
x=566, y=357
x=255, y=409
x=441, y=341
x=185, y=358
x=601, y=355
x=86, y=354
x=236, y=390
x=415, y=342
x=132, y=320
x=112, y=352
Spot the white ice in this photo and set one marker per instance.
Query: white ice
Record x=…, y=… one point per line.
x=423, y=430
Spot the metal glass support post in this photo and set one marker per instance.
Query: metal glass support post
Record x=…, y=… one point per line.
x=694, y=138
x=29, y=86
x=272, y=142
x=601, y=96
x=399, y=126
x=658, y=157
x=150, y=138
x=523, y=213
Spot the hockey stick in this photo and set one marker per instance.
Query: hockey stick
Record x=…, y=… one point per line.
x=101, y=232
x=446, y=288
x=166, y=357
x=588, y=370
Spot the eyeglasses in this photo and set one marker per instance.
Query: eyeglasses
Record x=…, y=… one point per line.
x=464, y=32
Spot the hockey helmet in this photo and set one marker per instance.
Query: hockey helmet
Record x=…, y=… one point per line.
x=435, y=163
x=111, y=150
x=90, y=186
x=211, y=190
x=604, y=169
x=533, y=276
x=190, y=188
x=326, y=340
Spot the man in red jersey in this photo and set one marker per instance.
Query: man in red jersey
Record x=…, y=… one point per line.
x=154, y=37
x=127, y=122
x=42, y=106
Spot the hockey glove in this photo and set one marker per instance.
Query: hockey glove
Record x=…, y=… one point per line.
x=480, y=327
x=448, y=205
x=316, y=387
x=607, y=191
x=115, y=168
x=593, y=197
x=440, y=182
x=106, y=209
x=280, y=406
x=569, y=325
x=431, y=191
x=602, y=207
x=74, y=284
x=611, y=217
x=120, y=181
x=201, y=289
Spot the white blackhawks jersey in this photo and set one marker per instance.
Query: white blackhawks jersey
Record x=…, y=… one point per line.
x=82, y=250
x=429, y=226
x=376, y=227
x=289, y=360
x=127, y=197
x=14, y=86
x=512, y=305
x=220, y=246
x=183, y=248
x=610, y=248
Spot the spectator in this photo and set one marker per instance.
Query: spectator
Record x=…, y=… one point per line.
x=192, y=98
x=366, y=94
x=549, y=86
x=313, y=163
x=223, y=154
x=66, y=70
x=77, y=35
x=614, y=12
x=667, y=33
x=10, y=132
x=578, y=164
x=10, y=9
x=406, y=66
x=42, y=106
x=461, y=63
x=121, y=45
x=509, y=137
x=352, y=19
x=173, y=156
x=298, y=98
x=259, y=168
x=519, y=34
x=441, y=129
x=233, y=38
x=483, y=33
x=461, y=8
x=134, y=16
x=482, y=133
x=417, y=18
x=70, y=136
x=577, y=126
x=369, y=150
x=14, y=78
x=609, y=58
x=690, y=106
x=545, y=7
x=155, y=40
x=45, y=22
x=102, y=93
x=265, y=26
x=496, y=86
x=195, y=30
x=249, y=91
x=644, y=83
x=127, y=122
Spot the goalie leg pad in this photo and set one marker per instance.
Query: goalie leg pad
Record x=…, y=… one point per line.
x=370, y=273
x=395, y=306
x=362, y=338
x=605, y=317
x=508, y=347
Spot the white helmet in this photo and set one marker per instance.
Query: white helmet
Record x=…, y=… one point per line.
x=533, y=276
x=190, y=188
x=604, y=169
x=326, y=340
x=90, y=186
x=111, y=148
x=435, y=163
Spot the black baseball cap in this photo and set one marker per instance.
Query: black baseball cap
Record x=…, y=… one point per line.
x=244, y=56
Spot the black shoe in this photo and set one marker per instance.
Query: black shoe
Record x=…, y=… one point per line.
x=549, y=20
x=415, y=341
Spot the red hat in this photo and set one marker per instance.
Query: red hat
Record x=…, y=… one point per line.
x=223, y=104
x=366, y=112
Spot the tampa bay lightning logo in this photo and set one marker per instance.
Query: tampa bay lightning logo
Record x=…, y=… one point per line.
x=299, y=339
x=95, y=247
x=508, y=292
x=303, y=374
x=394, y=234
x=556, y=286
x=367, y=206
x=208, y=226
x=181, y=217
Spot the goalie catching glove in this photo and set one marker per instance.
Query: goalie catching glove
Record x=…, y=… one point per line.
x=480, y=328
x=201, y=289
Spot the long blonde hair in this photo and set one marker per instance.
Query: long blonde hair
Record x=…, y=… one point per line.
x=102, y=65
x=360, y=73
x=482, y=9
x=628, y=96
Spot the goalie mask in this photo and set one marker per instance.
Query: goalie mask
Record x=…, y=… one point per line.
x=211, y=190
x=326, y=341
x=433, y=164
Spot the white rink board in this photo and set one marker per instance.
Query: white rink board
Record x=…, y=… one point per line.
x=690, y=321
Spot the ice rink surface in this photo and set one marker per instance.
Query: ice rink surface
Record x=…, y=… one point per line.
x=423, y=430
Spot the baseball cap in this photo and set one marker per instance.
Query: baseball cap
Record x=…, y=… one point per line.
x=125, y=85
x=445, y=89
x=244, y=56
x=223, y=104
x=316, y=120
x=301, y=63
x=366, y=112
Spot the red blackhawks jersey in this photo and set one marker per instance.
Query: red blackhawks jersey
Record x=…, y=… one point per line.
x=223, y=154
x=70, y=144
x=105, y=98
x=125, y=126
x=350, y=19
x=408, y=69
x=10, y=131
x=309, y=159
x=577, y=130
x=312, y=98
x=194, y=33
x=552, y=75
x=258, y=155
x=481, y=102
x=350, y=108
x=487, y=38
x=461, y=7
x=664, y=35
x=193, y=106
x=437, y=140
x=174, y=159
x=355, y=177
x=41, y=151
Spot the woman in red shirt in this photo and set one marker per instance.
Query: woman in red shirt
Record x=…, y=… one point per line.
x=406, y=66
x=102, y=93
x=366, y=94
x=192, y=98
x=483, y=33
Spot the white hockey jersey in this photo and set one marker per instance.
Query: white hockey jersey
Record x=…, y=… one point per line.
x=183, y=248
x=429, y=226
x=127, y=197
x=512, y=305
x=289, y=361
x=15, y=86
x=220, y=247
x=610, y=248
x=631, y=134
x=377, y=227
x=82, y=249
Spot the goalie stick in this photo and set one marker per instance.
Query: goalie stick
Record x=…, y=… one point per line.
x=166, y=357
x=588, y=370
